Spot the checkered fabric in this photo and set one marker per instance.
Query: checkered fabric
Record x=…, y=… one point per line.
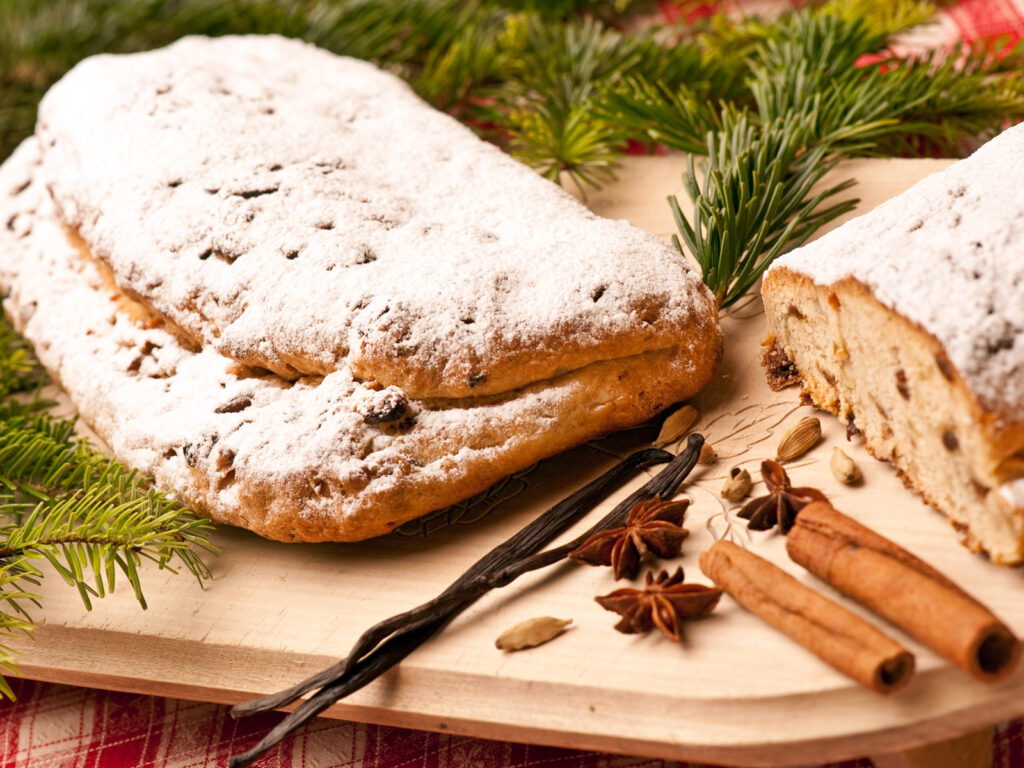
x=57, y=726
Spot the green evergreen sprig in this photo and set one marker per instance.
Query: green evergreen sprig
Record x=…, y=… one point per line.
x=675, y=118
x=19, y=370
x=962, y=98
x=883, y=18
x=891, y=105
x=757, y=199
x=64, y=503
x=553, y=76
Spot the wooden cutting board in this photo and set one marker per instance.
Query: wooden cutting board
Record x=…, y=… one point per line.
x=735, y=692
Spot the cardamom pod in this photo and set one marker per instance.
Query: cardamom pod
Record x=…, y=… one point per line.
x=707, y=454
x=799, y=439
x=737, y=485
x=676, y=425
x=844, y=468
x=530, y=633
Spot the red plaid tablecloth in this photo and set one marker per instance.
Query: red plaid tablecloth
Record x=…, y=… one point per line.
x=56, y=726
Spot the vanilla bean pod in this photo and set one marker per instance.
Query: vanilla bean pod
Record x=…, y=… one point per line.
x=408, y=631
x=664, y=484
x=527, y=540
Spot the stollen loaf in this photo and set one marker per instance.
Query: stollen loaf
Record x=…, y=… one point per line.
x=308, y=304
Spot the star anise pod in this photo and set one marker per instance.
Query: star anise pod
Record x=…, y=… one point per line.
x=782, y=503
x=653, y=527
x=665, y=602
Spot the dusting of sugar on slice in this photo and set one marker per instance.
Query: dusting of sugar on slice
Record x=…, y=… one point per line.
x=301, y=209
x=947, y=255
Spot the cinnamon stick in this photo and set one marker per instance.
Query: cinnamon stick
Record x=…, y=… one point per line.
x=831, y=632
x=903, y=589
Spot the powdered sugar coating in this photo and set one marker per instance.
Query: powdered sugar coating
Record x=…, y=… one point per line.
x=325, y=458
x=947, y=254
x=1013, y=493
x=293, y=208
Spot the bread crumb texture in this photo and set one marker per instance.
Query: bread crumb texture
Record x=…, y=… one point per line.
x=907, y=323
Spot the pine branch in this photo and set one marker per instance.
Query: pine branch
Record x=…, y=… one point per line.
x=953, y=101
x=672, y=61
x=63, y=502
x=18, y=622
x=560, y=137
x=726, y=39
x=19, y=370
x=399, y=36
x=54, y=485
x=938, y=100
x=756, y=200
x=569, y=92
x=678, y=119
x=110, y=523
x=453, y=75
x=832, y=44
x=552, y=80
x=882, y=18
x=556, y=11
x=581, y=52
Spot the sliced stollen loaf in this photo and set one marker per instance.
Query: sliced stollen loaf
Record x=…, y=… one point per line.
x=333, y=456
x=304, y=212
x=908, y=322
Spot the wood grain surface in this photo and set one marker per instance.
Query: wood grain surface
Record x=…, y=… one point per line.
x=735, y=692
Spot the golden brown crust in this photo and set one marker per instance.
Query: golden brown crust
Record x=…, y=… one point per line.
x=510, y=365
x=608, y=396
